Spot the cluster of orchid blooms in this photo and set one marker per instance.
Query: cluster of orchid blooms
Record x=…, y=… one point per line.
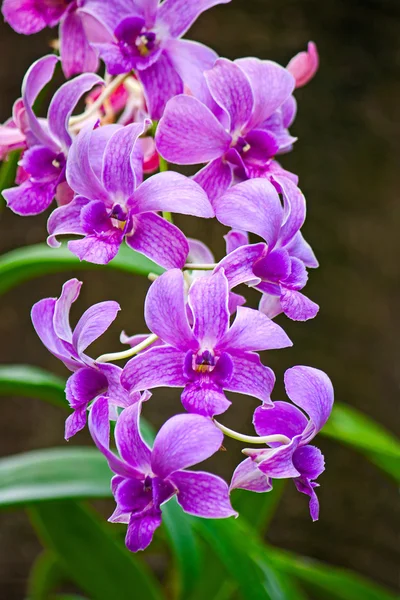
x=168, y=99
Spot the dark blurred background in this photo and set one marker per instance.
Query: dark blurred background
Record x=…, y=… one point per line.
x=348, y=161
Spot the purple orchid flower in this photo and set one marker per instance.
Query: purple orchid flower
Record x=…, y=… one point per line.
x=276, y=268
x=311, y=390
x=48, y=140
x=146, y=478
x=105, y=169
x=81, y=22
x=256, y=109
x=50, y=318
x=209, y=357
x=147, y=39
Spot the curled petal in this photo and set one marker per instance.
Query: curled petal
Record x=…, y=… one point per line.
x=312, y=390
x=309, y=461
x=203, y=494
x=93, y=323
x=178, y=15
x=69, y=294
x=304, y=65
x=66, y=220
x=183, y=441
x=247, y=476
x=281, y=418
x=75, y=422
x=254, y=206
x=307, y=487
x=42, y=316
x=238, y=265
x=278, y=462
x=118, y=176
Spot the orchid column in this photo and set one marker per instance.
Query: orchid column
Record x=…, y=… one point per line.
x=163, y=99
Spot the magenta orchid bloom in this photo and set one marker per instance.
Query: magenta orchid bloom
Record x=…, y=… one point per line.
x=113, y=204
x=147, y=39
x=50, y=318
x=278, y=267
x=48, y=140
x=146, y=478
x=209, y=357
x=256, y=107
x=311, y=390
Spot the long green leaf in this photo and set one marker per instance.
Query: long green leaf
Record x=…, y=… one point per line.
x=53, y=473
x=329, y=581
x=347, y=424
x=92, y=557
x=32, y=382
x=45, y=576
x=27, y=263
x=258, y=509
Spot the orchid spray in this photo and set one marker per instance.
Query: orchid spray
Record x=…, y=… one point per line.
x=163, y=98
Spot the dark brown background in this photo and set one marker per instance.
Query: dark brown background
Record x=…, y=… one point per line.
x=348, y=160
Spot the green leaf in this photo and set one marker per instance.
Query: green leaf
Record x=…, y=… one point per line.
x=359, y=431
x=231, y=548
x=329, y=581
x=183, y=541
x=29, y=262
x=44, y=576
x=90, y=555
x=258, y=509
x=32, y=382
x=53, y=473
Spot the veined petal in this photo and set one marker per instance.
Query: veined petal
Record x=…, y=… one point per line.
x=177, y=16
x=189, y=133
x=141, y=530
x=70, y=293
x=83, y=386
x=31, y=197
x=254, y=206
x=270, y=305
x=295, y=206
x=231, y=89
x=130, y=443
x=161, y=82
x=199, y=252
x=235, y=239
x=215, y=178
x=165, y=311
x=252, y=331
x=280, y=418
x=271, y=85
x=296, y=306
x=251, y=377
x=99, y=427
x=247, y=476
x=312, y=390
x=118, y=176
x=75, y=422
x=93, y=323
x=64, y=102
x=159, y=240
x=77, y=54
x=208, y=299
x=184, y=441
x=172, y=192
x=161, y=366
x=205, y=397
x=203, y=494
x=238, y=265
x=301, y=249
x=27, y=16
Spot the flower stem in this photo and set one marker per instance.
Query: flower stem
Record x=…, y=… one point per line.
x=128, y=353
x=163, y=168
x=252, y=439
x=200, y=266
x=108, y=90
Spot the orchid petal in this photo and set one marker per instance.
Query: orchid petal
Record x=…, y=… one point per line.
x=177, y=16
x=203, y=494
x=280, y=418
x=130, y=443
x=297, y=306
x=247, y=476
x=157, y=367
x=69, y=294
x=77, y=54
x=208, y=300
x=118, y=176
x=251, y=377
x=161, y=82
x=215, y=178
x=93, y=323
